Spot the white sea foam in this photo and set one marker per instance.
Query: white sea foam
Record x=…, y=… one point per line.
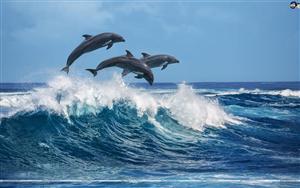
x=195, y=111
x=63, y=93
x=284, y=93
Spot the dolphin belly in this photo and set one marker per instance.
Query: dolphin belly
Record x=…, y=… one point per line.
x=94, y=46
x=155, y=63
x=137, y=72
x=106, y=43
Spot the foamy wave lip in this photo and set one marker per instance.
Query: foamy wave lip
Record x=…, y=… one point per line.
x=286, y=93
x=195, y=111
x=63, y=92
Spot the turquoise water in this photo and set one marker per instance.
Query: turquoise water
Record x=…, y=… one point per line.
x=78, y=132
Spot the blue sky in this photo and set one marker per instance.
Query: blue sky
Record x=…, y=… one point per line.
x=214, y=40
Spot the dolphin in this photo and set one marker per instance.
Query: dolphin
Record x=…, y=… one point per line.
x=91, y=43
x=126, y=62
x=153, y=61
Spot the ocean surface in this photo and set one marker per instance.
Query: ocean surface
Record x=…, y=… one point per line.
x=81, y=132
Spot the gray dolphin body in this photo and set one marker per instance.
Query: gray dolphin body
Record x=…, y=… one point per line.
x=91, y=43
x=126, y=62
x=154, y=61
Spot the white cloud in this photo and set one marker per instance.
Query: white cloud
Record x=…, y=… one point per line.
x=63, y=20
x=58, y=20
x=219, y=14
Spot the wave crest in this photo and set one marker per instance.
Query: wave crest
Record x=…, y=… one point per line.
x=71, y=96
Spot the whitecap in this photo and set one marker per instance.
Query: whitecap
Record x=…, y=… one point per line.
x=76, y=96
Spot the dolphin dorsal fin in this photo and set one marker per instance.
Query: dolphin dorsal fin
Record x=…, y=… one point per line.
x=86, y=36
x=145, y=54
x=128, y=53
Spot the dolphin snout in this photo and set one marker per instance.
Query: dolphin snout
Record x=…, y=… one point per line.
x=150, y=79
x=175, y=61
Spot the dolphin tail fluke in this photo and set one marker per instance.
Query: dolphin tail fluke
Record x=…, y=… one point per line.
x=66, y=69
x=93, y=71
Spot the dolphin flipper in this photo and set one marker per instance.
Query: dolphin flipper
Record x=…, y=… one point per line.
x=165, y=66
x=125, y=72
x=109, y=45
x=139, y=76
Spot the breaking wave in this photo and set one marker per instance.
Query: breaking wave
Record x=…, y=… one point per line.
x=77, y=128
x=76, y=97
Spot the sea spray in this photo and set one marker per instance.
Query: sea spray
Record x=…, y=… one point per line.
x=75, y=96
x=81, y=129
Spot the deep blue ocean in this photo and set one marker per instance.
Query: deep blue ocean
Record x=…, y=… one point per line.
x=81, y=132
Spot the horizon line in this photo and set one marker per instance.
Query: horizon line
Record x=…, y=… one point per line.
x=192, y=82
